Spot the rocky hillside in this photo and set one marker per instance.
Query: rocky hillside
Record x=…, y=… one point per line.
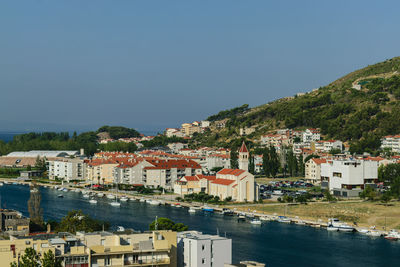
x=360, y=107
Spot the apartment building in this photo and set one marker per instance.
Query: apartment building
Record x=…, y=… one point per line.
x=325, y=146
x=391, y=142
x=217, y=160
x=66, y=169
x=165, y=173
x=200, y=250
x=13, y=222
x=157, y=248
x=311, y=135
x=188, y=129
x=348, y=177
x=131, y=172
x=313, y=170
x=101, y=170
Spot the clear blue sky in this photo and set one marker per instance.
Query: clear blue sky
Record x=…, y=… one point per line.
x=154, y=64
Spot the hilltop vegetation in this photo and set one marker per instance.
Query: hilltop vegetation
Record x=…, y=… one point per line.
x=342, y=112
x=63, y=141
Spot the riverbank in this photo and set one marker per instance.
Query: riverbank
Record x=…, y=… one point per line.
x=365, y=214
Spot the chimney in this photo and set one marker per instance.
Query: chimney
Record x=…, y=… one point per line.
x=82, y=152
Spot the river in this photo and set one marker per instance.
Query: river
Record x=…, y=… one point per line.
x=272, y=243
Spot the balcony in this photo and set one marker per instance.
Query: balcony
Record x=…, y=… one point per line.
x=147, y=262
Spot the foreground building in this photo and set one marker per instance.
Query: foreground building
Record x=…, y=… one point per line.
x=13, y=222
x=67, y=169
x=199, y=250
x=97, y=249
x=313, y=170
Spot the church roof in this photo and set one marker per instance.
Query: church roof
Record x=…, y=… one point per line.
x=243, y=148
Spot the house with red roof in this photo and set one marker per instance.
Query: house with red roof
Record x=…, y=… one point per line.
x=313, y=170
x=193, y=184
x=235, y=183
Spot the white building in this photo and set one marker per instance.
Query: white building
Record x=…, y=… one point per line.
x=328, y=145
x=217, y=160
x=311, y=135
x=348, y=177
x=195, y=249
x=313, y=170
x=205, y=124
x=175, y=147
x=391, y=142
x=171, y=132
x=67, y=169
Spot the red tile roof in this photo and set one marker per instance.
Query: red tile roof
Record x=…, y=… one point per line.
x=223, y=181
x=243, y=148
x=235, y=172
x=319, y=161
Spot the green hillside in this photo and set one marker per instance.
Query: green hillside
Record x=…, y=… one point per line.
x=361, y=116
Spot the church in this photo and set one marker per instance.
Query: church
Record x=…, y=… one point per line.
x=238, y=184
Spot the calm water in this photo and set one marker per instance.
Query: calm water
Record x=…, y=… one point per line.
x=273, y=243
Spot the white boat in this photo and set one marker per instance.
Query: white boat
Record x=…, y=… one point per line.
x=100, y=194
x=124, y=199
x=142, y=200
x=86, y=196
x=363, y=231
x=265, y=218
x=93, y=201
x=120, y=229
x=393, y=235
x=332, y=228
x=65, y=190
x=255, y=221
x=1, y=184
x=77, y=190
x=155, y=202
x=341, y=226
x=284, y=219
x=191, y=210
x=115, y=204
x=300, y=222
x=110, y=196
x=373, y=233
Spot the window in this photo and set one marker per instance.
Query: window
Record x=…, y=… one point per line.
x=107, y=261
x=203, y=261
x=102, y=242
x=337, y=174
x=203, y=247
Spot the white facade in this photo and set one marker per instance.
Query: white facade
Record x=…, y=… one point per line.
x=199, y=250
x=217, y=160
x=391, y=142
x=327, y=146
x=311, y=135
x=67, y=169
x=349, y=174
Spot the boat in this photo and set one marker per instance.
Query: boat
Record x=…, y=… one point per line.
x=110, y=196
x=60, y=196
x=120, y=229
x=250, y=215
x=86, y=196
x=393, y=235
x=1, y=184
x=363, y=231
x=265, y=218
x=208, y=209
x=284, y=219
x=77, y=190
x=65, y=190
x=124, y=199
x=142, y=200
x=332, y=228
x=300, y=222
x=93, y=201
x=255, y=221
x=373, y=233
x=341, y=226
x=155, y=202
x=34, y=190
x=192, y=210
x=115, y=204
x=227, y=212
x=100, y=194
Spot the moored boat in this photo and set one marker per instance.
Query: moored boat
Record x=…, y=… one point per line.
x=191, y=210
x=256, y=221
x=93, y=201
x=393, y=235
x=341, y=226
x=208, y=209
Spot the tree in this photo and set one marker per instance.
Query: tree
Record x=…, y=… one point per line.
x=251, y=164
x=76, y=220
x=270, y=162
x=386, y=197
x=368, y=193
x=234, y=159
x=34, y=209
x=29, y=259
x=390, y=175
x=329, y=196
x=49, y=260
x=167, y=224
x=28, y=168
